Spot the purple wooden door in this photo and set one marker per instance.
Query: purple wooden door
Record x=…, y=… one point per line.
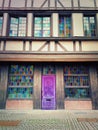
x=48, y=92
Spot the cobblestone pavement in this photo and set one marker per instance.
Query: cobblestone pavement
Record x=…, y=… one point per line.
x=49, y=120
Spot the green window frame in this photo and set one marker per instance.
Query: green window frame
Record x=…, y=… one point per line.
x=42, y=26
x=17, y=26
x=89, y=26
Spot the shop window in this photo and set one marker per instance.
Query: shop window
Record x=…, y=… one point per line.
x=1, y=23
x=65, y=26
x=48, y=69
x=20, y=83
x=76, y=80
x=42, y=26
x=17, y=26
x=89, y=26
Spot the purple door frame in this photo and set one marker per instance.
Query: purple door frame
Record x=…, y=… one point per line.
x=48, y=92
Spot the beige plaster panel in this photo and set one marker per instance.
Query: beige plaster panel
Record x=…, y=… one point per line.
x=19, y=104
x=14, y=46
x=1, y=1
x=1, y=45
x=77, y=46
x=36, y=45
x=78, y=105
x=68, y=45
x=77, y=23
x=90, y=46
x=27, y=47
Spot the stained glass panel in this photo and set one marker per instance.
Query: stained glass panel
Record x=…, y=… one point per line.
x=1, y=22
x=20, y=83
x=49, y=69
x=76, y=81
x=65, y=26
x=77, y=92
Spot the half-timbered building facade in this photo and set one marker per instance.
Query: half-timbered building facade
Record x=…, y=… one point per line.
x=49, y=54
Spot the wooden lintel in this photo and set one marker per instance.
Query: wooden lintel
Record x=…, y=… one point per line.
x=49, y=57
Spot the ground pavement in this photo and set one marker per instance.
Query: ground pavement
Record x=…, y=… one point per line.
x=49, y=120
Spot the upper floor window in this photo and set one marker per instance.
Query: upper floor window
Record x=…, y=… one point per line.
x=17, y=26
x=1, y=22
x=89, y=26
x=42, y=26
x=65, y=26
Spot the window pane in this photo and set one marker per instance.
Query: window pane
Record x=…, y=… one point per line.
x=20, y=82
x=13, y=27
x=77, y=93
x=42, y=26
x=22, y=26
x=1, y=21
x=89, y=26
x=76, y=81
x=65, y=26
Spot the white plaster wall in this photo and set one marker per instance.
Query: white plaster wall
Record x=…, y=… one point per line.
x=29, y=3
x=36, y=45
x=18, y=3
x=68, y=45
x=6, y=3
x=14, y=46
x=30, y=23
x=5, y=20
x=55, y=20
x=90, y=46
x=89, y=3
x=77, y=46
x=75, y=3
x=1, y=1
x=77, y=23
x=97, y=23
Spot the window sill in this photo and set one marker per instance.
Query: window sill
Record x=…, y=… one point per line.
x=77, y=99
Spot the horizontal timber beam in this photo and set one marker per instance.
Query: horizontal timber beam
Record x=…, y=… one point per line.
x=49, y=57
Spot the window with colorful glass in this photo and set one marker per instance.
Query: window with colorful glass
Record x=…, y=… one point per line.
x=20, y=82
x=76, y=81
x=42, y=26
x=65, y=26
x=17, y=26
x=89, y=26
x=1, y=23
x=49, y=69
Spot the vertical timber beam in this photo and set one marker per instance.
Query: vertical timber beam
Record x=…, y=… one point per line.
x=37, y=87
x=3, y=85
x=59, y=87
x=94, y=86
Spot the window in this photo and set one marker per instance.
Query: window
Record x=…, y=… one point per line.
x=20, y=83
x=1, y=22
x=89, y=26
x=65, y=26
x=49, y=69
x=17, y=26
x=76, y=80
x=42, y=26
